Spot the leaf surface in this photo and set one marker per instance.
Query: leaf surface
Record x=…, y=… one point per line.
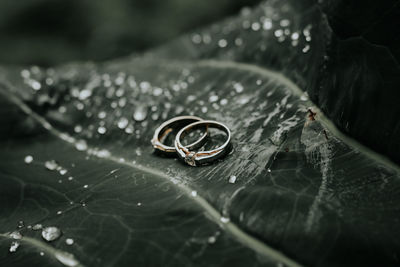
x=304, y=194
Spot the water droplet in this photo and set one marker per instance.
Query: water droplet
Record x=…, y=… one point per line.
x=268, y=170
x=222, y=43
x=306, y=48
x=102, y=115
x=206, y=38
x=63, y=171
x=20, y=224
x=49, y=81
x=14, y=246
x=232, y=179
x=284, y=22
x=80, y=106
x=62, y=109
x=85, y=186
x=223, y=102
x=102, y=130
x=28, y=159
x=255, y=26
x=51, y=233
x=145, y=86
x=238, y=41
x=103, y=153
x=278, y=33
x=295, y=36
x=140, y=113
x=204, y=109
x=37, y=226
x=84, y=94
x=304, y=97
x=224, y=219
x=51, y=165
x=212, y=239
x=35, y=85
x=69, y=241
x=238, y=87
x=59, y=212
x=194, y=193
x=157, y=91
x=213, y=98
x=246, y=24
x=15, y=235
x=154, y=116
x=267, y=24
x=139, y=204
x=81, y=145
x=66, y=258
x=25, y=74
x=129, y=129
x=41, y=253
x=196, y=38
x=122, y=123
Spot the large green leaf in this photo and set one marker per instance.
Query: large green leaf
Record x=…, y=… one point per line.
x=305, y=194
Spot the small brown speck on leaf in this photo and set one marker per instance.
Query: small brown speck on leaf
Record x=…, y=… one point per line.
x=311, y=115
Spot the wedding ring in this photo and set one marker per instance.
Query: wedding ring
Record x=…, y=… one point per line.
x=202, y=157
x=167, y=127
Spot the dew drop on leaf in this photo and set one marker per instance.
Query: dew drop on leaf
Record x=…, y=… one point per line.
x=66, y=258
x=84, y=94
x=101, y=130
x=224, y=219
x=81, y=145
x=15, y=235
x=69, y=241
x=140, y=113
x=212, y=239
x=28, y=159
x=232, y=179
x=222, y=43
x=14, y=246
x=267, y=24
x=20, y=224
x=255, y=26
x=77, y=129
x=306, y=49
x=238, y=87
x=37, y=226
x=51, y=165
x=213, y=98
x=51, y=233
x=122, y=123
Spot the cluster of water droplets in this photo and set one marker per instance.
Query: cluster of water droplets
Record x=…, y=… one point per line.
x=255, y=29
x=49, y=234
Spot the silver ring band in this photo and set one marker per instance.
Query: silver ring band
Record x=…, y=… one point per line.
x=167, y=127
x=202, y=157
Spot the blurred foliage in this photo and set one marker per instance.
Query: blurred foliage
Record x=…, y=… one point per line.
x=47, y=32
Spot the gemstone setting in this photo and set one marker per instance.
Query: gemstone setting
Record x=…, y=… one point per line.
x=190, y=158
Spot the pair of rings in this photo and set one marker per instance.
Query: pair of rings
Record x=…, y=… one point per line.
x=187, y=153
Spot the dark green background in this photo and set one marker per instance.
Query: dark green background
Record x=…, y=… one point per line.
x=47, y=32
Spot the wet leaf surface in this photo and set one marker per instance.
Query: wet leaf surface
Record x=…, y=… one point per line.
x=79, y=158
